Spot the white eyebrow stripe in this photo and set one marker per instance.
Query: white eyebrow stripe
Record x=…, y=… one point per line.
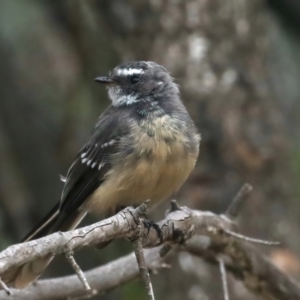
x=130, y=71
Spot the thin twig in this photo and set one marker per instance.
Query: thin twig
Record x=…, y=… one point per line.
x=89, y=295
x=140, y=258
x=142, y=210
x=5, y=287
x=78, y=271
x=139, y=252
x=252, y=240
x=224, y=278
x=235, y=206
x=174, y=205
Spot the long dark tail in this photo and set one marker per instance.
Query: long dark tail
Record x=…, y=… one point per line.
x=54, y=221
x=44, y=227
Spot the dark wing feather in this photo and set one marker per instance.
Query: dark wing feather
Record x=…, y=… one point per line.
x=94, y=160
x=84, y=176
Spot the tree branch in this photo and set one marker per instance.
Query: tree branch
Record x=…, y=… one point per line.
x=246, y=264
x=178, y=224
x=181, y=223
x=70, y=258
x=223, y=278
x=101, y=280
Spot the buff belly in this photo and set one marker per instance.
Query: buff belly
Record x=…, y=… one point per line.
x=146, y=180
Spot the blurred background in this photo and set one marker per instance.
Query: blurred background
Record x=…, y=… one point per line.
x=238, y=66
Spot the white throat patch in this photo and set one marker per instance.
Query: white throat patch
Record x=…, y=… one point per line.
x=130, y=71
x=117, y=98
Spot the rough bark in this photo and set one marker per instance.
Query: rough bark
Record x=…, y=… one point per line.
x=210, y=240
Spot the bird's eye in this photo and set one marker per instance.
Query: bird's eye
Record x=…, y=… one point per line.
x=134, y=79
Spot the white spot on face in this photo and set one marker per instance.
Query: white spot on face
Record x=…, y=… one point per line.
x=118, y=98
x=130, y=71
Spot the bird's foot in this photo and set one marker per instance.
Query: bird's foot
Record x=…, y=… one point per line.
x=150, y=224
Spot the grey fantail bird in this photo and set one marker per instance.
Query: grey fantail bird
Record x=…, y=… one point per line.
x=144, y=146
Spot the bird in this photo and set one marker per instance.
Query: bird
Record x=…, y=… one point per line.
x=144, y=146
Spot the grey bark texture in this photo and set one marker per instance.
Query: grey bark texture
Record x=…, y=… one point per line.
x=204, y=232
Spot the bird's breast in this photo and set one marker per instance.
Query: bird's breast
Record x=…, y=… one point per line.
x=151, y=164
x=161, y=138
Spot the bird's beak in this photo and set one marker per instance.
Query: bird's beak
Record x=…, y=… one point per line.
x=104, y=80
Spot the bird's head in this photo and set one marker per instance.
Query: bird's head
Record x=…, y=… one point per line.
x=136, y=81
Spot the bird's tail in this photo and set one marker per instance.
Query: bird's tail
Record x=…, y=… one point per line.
x=55, y=220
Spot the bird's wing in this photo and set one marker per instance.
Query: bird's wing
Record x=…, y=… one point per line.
x=94, y=159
